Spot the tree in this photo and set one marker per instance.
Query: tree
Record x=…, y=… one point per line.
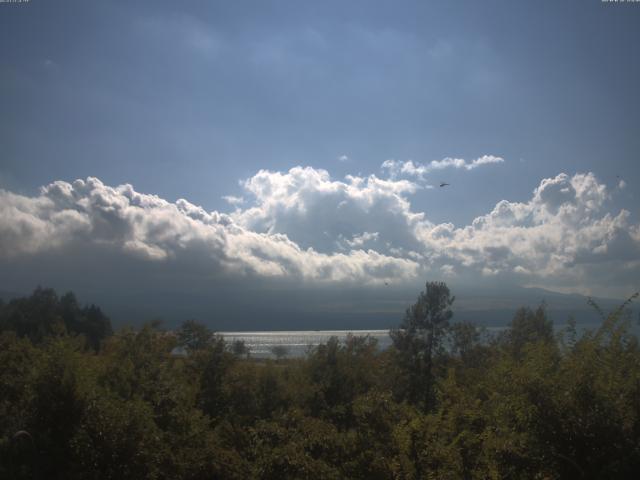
x=35, y=317
x=528, y=326
x=340, y=372
x=466, y=342
x=194, y=335
x=420, y=337
x=96, y=326
x=214, y=363
x=280, y=351
x=240, y=349
x=43, y=314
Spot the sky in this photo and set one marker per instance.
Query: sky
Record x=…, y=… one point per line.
x=285, y=157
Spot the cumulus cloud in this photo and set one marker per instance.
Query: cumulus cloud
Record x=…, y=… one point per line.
x=563, y=235
x=316, y=211
x=304, y=225
x=148, y=227
x=409, y=168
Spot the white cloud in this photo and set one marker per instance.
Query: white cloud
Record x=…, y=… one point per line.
x=147, y=227
x=409, y=168
x=563, y=234
x=359, y=241
x=448, y=270
x=233, y=200
x=484, y=160
x=343, y=158
x=306, y=226
x=316, y=211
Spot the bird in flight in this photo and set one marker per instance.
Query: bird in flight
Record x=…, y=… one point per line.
x=443, y=184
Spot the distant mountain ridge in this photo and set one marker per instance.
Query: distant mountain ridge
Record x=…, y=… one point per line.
x=355, y=309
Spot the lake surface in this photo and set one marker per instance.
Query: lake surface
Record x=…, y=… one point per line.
x=297, y=343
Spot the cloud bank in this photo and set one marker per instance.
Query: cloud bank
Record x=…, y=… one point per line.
x=302, y=225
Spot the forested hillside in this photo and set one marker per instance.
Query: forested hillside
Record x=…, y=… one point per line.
x=447, y=401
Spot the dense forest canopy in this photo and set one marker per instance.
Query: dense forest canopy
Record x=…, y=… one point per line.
x=447, y=400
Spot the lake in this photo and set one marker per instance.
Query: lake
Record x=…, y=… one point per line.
x=297, y=343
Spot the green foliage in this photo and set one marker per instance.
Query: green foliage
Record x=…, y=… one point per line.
x=527, y=327
x=420, y=339
x=280, y=351
x=521, y=405
x=239, y=348
x=43, y=315
x=193, y=336
x=339, y=373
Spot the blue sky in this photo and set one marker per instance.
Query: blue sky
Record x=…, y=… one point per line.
x=189, y=99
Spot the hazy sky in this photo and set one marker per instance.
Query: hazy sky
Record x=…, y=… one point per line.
x=300, y=145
